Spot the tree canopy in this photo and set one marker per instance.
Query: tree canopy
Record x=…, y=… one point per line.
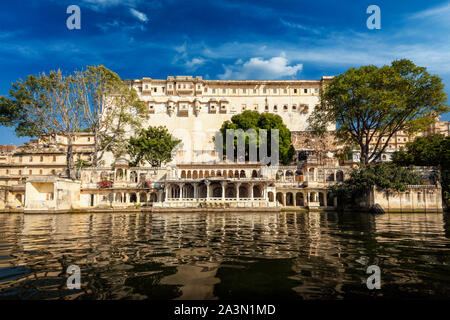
x=383, y=176
x=44, y=105
x=433, y=150
x=110, y=108
x=94, y=100
x=153, y=145
x=371, y=103
x=255, y=120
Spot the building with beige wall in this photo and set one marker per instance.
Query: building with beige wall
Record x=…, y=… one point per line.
x=193, y=110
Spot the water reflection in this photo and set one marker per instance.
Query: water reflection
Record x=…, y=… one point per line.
x=223, y=256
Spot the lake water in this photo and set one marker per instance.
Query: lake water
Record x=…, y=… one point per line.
x=224, y=255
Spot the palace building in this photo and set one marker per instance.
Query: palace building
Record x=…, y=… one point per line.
x=193, y=110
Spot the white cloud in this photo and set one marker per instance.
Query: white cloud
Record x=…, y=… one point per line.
x=194, y=63
x=139, y=15
x=293, y=25
x=120, y=25
x=102, y=4
x=258, y=68
x=441, y=11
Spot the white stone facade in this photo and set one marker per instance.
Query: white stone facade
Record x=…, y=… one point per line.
x=194, y=109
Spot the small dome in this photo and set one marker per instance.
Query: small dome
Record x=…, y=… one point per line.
x=121, y=162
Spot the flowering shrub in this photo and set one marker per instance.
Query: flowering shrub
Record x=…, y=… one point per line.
x=105, y=184
x=144, y=183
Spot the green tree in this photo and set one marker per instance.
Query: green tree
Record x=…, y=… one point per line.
x=383, y=176
x=153, y=145
x=370, y=103
x=110, y=109
x=44, y=105
x=433, y=150
x=255, y=120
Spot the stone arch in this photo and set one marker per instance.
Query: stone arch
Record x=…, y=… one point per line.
x=299, y=199
x=119, y=174
x=213, y=173
x=183, y=174
x=289, y=199
x=280, y=173
x=330, y=199
x=330, y=176
x=206, y=175
x=175, y=191
x=320, y=175
x=200, y=174
x=236, y=174
x=270, y=194
x=243, y=191
x=202, y=191
x=339, y=176
x=224, y=173
x=230, y=192
x=133, y=197
x=242, y=174
x=189, y=176
x=312, y=197
x=119, y=197
x=280, y=198
x=254, y=174
x=188, y=191
x=230, y=173
x=133, y=177
x=195, y=174
x=153, y=197
x=321, y=199
x=216, y=190
x=257, y=192
x=143, y=197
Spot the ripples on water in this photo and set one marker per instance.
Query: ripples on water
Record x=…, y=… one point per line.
x=224, y=256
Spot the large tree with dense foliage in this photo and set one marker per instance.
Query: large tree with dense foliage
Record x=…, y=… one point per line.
x=153, y=145
x=110, y=108
x=433, y=150
x=257, y=121
x=383, y=176
x=44, y=105
x=369, y=103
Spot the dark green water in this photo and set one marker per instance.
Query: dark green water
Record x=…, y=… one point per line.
x=224, y=256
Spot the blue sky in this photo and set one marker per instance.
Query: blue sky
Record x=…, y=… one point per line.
x=219, y=39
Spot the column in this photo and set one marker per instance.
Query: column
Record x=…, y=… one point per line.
x=166, y=190
x=181, y=185
x=223, y=184
x=251, y=191
x=207, y=190
x=237, y=190
x=160, y=195
x=195, y=185
x=325, y=199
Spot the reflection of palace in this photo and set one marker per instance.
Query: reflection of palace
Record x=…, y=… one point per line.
x=194, y=109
